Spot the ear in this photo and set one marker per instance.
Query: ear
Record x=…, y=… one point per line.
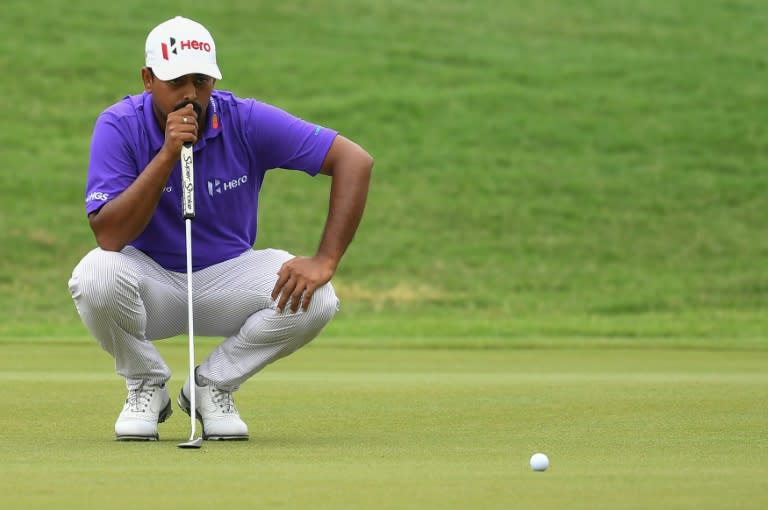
x=148, y=78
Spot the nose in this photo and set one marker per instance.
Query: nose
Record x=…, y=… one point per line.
x=190, y=91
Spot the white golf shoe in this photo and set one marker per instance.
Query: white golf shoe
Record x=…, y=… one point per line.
x=144, y=408
x=216, y=411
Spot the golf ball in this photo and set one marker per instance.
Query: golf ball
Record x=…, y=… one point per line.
x=539, y=462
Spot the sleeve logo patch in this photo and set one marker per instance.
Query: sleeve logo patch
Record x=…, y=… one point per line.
x=97, y=196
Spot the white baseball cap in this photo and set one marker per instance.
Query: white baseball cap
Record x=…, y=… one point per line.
x=181, y=46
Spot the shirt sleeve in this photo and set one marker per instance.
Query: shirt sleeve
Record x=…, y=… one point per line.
x=282, y=140
x=112, y=167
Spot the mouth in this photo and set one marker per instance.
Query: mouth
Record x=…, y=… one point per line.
x=195, y=106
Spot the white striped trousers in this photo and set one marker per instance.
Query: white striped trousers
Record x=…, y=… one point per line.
x=126, y=300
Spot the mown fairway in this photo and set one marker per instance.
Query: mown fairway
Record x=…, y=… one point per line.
x=564, y=250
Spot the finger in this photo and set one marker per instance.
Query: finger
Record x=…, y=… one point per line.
x=296, y=297
x=185, y=108
x=282, y=278
x=307, y=298
x=187, y=133
x=287, y=290
x=186, y=115
x=190, y=114
x=188, y=121
x=181, y=128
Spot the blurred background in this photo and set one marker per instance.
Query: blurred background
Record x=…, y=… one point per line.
x=547, y=172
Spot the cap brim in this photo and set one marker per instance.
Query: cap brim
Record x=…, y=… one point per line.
x=171, y=72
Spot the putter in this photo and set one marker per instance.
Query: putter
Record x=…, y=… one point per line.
x=188, y=209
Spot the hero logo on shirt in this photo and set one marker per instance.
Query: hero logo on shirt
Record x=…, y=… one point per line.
x=190, y=44
x=219, y=186
x=97, y=196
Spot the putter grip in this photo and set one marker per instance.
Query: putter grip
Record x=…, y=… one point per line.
x=187, y=182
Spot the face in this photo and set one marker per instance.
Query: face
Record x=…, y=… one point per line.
x=166, y=95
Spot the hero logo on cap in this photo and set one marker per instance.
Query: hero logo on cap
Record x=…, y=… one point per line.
x=165, y=49
x=181, y=46
x=185, y=45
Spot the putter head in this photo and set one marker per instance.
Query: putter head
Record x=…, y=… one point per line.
x=192, y=443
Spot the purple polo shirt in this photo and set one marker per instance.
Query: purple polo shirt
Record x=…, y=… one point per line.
x=242, y=140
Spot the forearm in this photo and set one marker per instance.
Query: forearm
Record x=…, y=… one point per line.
x=349, y=193
x=121, y=220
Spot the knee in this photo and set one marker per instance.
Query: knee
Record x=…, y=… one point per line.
x=324, y=304
x=102, y=277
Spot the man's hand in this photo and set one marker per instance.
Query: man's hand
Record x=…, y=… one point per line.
x=181, y=126
x=301, y=276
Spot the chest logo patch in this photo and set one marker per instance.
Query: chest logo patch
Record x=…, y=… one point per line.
x=219, y=186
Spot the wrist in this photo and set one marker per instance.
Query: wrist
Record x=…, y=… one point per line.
x=329, y=261
x=166, y=156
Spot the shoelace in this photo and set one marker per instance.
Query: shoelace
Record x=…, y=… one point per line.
x=224, y=400
x=138, y=400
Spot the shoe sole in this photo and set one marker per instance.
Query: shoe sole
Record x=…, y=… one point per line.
x=164, y=414
x=184, y=404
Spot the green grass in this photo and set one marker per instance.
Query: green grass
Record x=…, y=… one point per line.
x=402, y=428
x=555, y=168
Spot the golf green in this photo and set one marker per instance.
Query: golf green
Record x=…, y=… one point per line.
x=388, y=428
